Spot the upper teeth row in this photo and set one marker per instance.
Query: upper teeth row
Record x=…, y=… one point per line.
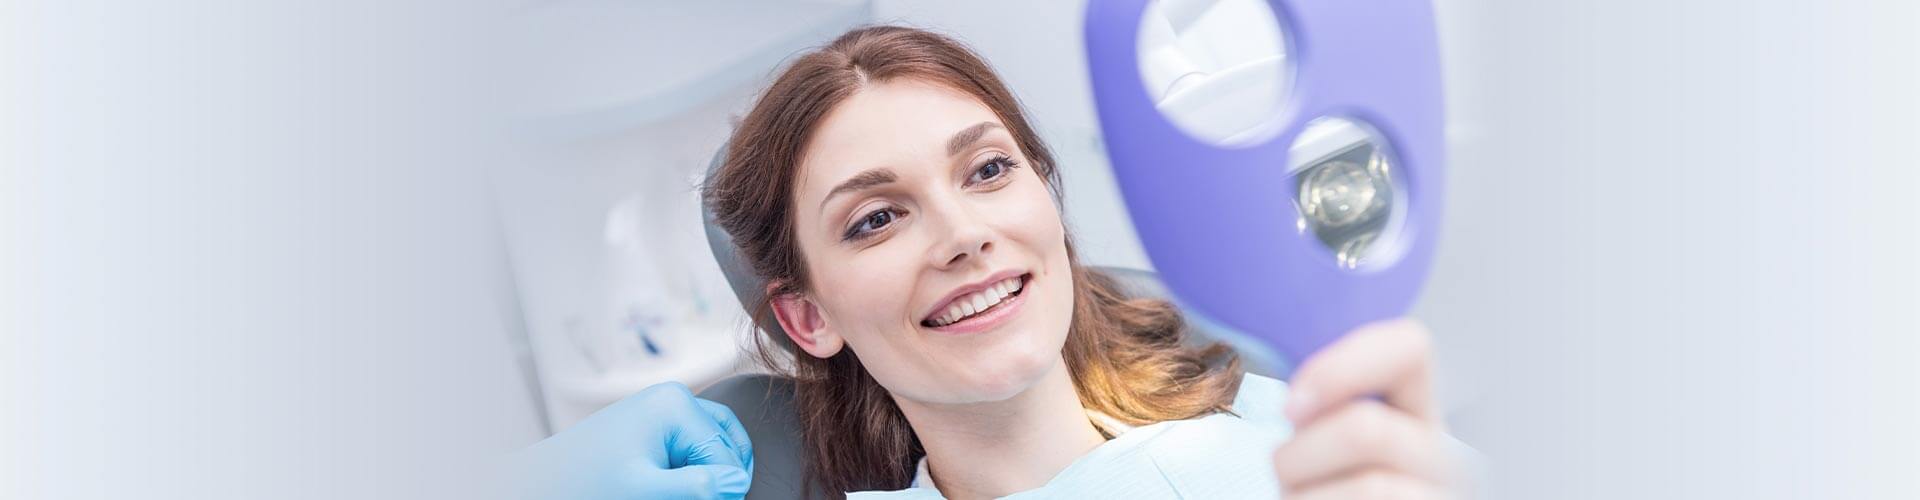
x=973, y=303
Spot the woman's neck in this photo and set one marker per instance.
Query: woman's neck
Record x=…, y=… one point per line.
x=987, y=450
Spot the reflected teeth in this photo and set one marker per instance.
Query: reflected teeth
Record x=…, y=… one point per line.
x=967, y=306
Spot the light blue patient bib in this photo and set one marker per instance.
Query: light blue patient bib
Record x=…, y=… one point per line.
x=1216, y=456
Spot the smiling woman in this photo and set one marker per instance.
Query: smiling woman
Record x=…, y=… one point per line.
x=928, y=301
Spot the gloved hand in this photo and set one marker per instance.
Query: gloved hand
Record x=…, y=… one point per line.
x=659, y=443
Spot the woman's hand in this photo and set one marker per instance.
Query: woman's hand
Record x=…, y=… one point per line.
x=1365, y=422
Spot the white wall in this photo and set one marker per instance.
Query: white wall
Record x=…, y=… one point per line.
x=1679, y=257
x=245, y=253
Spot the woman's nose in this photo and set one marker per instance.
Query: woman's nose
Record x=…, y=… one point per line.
x=965, y=236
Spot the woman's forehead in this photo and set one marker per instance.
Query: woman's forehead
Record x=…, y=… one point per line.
x=898, y=123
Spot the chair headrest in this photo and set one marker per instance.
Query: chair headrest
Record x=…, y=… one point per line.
x=749, y=288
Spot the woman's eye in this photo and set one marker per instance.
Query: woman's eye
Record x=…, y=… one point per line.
x=874, y=221
x=992, y=170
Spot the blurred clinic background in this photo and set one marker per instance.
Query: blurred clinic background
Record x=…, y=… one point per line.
x=359, y=249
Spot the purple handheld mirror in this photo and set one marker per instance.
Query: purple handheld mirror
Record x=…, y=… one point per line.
x=1291, y=195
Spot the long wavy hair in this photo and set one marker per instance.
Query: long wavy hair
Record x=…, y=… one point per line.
x=1127, y=357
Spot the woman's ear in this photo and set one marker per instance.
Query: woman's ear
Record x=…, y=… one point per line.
x=805, y=323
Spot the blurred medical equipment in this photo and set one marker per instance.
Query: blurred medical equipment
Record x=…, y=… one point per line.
x=616, y=294
x=1282, y=160
x=617, y=289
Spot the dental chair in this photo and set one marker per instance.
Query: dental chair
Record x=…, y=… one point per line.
x=764, y=403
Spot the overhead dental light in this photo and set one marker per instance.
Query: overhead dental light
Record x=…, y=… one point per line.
x=1349, y=194
x=1282, y=160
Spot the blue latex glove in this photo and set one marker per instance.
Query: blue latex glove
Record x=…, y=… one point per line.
x=659, y=443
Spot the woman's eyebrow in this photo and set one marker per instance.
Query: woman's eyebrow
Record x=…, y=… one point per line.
x=860, y=181
x=874, y=177
x=967, y=136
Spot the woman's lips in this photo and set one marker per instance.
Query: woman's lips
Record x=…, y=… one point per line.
x=956, y=299
x=991, y=318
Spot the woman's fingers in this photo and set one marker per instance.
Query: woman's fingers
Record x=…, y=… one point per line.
x=1365, y=421
x=1361, y=436
x=1390, y=359
x=1369, y=484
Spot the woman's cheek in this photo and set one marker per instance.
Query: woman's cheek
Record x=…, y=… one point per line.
x=1031, y=211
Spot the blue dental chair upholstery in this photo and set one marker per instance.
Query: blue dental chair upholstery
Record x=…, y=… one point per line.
x=764, y=403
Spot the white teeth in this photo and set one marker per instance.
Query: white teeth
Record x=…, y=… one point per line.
x=1009, y=286
x=977, y=302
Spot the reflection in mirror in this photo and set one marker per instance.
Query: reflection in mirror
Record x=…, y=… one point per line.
x=1348, y=190
x=1218, y=69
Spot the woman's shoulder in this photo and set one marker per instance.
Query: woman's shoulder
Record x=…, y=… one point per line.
x=1225, y=455
x=1216, y=456
x=1261, y=400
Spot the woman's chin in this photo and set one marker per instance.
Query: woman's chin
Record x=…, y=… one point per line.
x=1000, y=365
x=1007, y=376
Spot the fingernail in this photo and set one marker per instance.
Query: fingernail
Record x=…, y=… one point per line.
x=1299, y=404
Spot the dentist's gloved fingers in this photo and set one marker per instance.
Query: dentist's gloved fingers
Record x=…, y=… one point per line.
x=672, y=400
x=1363, y=435
x=691, y=435
x=736, y=433
x=1391, y=359
x=700, y=441
x=661, y=442
x=1367, y=485
x=693, y=482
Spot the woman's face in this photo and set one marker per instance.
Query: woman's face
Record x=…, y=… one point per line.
x=934, y=250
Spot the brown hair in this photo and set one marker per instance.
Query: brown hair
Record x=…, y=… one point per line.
x=1126, y=356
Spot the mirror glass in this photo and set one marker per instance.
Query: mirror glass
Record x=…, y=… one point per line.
x=1349, y=192
x=1217, y=69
